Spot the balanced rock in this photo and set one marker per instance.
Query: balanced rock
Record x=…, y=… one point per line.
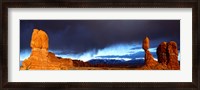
x=149, y=59
x=40, y=58
x=145, y=44
x=167, y=56
x=162, y=53
x=172, y=51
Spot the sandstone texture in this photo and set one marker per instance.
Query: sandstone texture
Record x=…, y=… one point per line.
x=39, y=39
x=167, y=56
x=172, y=55
x=162, y=53
x=40, y=58
x=145, y=44
x=149, y=59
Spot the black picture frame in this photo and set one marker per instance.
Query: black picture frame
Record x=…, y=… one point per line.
x=194, y=4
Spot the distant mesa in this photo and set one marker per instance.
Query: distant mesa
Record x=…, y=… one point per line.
x=40, y=58
x=167, y=56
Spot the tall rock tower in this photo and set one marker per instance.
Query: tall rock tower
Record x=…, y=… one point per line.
x=168, y=55
x=40, y=58
x=172, y=52
x=149, y=59
x=162, y=53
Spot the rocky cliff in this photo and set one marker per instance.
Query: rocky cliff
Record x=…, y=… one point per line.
x=40, y=58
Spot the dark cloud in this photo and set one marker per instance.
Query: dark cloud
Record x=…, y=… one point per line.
x=79, y=36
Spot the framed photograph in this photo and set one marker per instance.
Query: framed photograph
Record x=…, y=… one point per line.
x=99, y=44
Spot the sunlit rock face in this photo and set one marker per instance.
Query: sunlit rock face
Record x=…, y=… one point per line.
x=145, y=44
x=40, y=58
x=167, y=56
x=39, y=40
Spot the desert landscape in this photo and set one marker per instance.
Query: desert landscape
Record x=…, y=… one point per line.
x=42, y=59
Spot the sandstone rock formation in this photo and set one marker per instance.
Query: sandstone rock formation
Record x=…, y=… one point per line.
x=167, y=56
x=162, y=53
x=145, y=44
x=40, y=58
x=39, y=39
x=149, y=60
x=172, y=55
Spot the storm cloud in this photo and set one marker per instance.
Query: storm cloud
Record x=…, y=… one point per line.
x=80, y=36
